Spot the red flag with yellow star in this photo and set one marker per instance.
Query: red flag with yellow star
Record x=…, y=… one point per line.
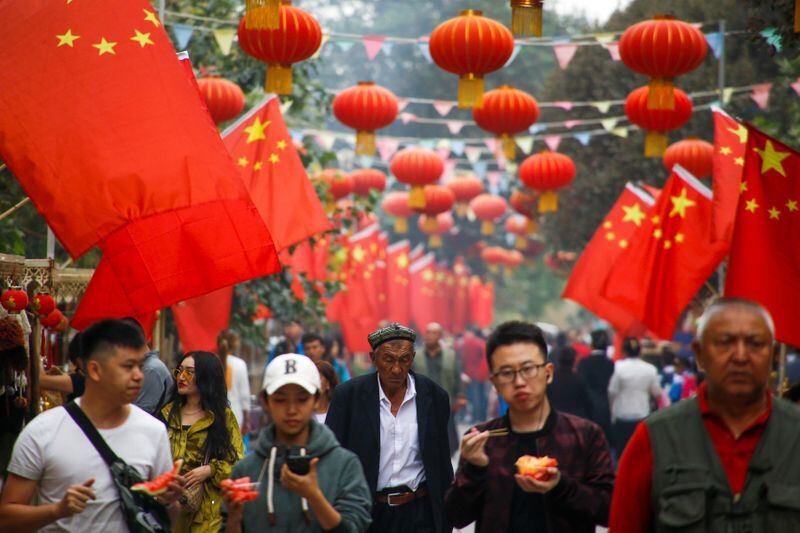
x=481, y=302
x=109, y=138
x=669, y=257
x=380, y=276
x=764, y=263
x=422, y=291
x=612, y=237
x=397, y=282
x=730, y=142
x=460, y=296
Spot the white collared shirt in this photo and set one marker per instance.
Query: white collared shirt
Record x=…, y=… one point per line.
x=632, y=385
x=400, y=459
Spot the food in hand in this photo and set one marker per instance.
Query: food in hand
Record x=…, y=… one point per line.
x=536, y=467
x=240, y=490
x=159, y=485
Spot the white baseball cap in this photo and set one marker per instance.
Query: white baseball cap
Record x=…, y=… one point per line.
x=291, y=368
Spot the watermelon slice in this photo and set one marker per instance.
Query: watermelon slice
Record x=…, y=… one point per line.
x=241, y=490
x=159, y=484
x=536, y=467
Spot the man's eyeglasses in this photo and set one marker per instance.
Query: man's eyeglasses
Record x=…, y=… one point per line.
x=188, y=373
x=528, y=371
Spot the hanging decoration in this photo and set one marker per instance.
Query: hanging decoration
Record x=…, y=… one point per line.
x=417, y=167
x=662, y=48
x=366, y=180
x=471, y=46
x=547, y=172
x=506, y=111
x=14, y=300
x=52, y=323
x=693, y=154
x=365, y=107
x=488, y=208
x=465, y=187
x=295, y=39
x=224, y=99
x=524, y=203
x=494, y=257
x=435, y=227
x=657, y=122
x=517, y=225
x=263, y=14
x=438, y=199
x=511, y=260
x=526, y=17
x=396, y=204
x=43, y=304
x=339, y=185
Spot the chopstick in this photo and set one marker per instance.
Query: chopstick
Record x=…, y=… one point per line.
x=501, y=432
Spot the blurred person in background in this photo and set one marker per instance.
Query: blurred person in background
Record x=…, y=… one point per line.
x=596, y=371
x=568, y=392
x=329, y=379
x=71, y=384
x=237, y=378
x=292, y=341
x=472, y=349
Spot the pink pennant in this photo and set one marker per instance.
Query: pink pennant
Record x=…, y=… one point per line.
x=443, y=152
x=552, y=141
x=455, y=126
x=473, y=153
x=443, y=107
x=373, y=45
x=449, y=167
x=493, y=178
x=491, y=144
x=796, y=86
x=501, y=160
x=387, y=148
x=408, y=117
x=563, y=105
x=569, y=124
x=613, y=50
x=564, y=53
x=760, y=94
x=401, y=104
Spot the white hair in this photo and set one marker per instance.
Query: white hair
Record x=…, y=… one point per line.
x=724, y=303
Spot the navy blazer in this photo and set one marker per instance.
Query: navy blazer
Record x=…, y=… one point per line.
x=354, y=417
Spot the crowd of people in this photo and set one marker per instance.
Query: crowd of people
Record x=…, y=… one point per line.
x=653, y=438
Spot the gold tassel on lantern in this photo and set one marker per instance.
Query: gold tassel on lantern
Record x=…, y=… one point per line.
x=509, y=146
x=416, y=199
x=262, y=14
x=470, y=91
x=548, y=202
x=279, y=79
x=494, y=269
x=655, y=144
x=526, y=17
x=487, y=227
x=506, y=271
x=365, y=143
x=462, y=209
x=435, y=241
x=400, y=225
x=532, y=227
x=661, y=94
x=521, y=242
x=430, y=224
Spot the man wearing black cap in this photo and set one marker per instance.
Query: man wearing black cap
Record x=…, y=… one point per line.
x=396, y=422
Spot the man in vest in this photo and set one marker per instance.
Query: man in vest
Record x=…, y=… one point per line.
x=725, y=460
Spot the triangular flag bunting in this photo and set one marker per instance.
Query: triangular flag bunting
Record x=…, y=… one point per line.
x=609, y=123
x=525, y=143
x=716, y=41
x=603, y=107
x=564, y=53
x=224, y=38
x=514, y=55
x=566, y=106
x=584, y=138
x=183, y=34
x=760, y=94
x=455, y=126
x=443, y=107
x=473, y=154
x=373, y=45
x=605, y=37
x=344, y=44
x=552, y=142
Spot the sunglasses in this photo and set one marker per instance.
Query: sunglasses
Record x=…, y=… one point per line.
x=187, y=373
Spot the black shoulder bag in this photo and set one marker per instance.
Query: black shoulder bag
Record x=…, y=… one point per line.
x=143, y=513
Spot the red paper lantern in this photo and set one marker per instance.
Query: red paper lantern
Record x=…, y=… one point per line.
x=523, y=202
x=396, y=204
x=494, y=256
x=365, y=108
x=438, y=199
x=526, y=17
x=657, y=122
x=662, y=48
x=506, y=111
x=297, y=37
x=436, y=226
x=512, y=259
x=52, y=320
x=224, y=99
x=14, y=300
x=366, y=180
x=465, y=187
x=43, y=304
x=339, y=183
x=693, y=154
x=471, y=46
x=519, y=226
x=417, y=167
x=488, y=208
x=547, y=172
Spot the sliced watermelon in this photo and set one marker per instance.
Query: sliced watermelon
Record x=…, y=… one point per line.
x=159, y=485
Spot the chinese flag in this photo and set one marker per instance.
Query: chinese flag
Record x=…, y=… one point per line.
x=442, y=297
x=612, y=237
x=460, y=296
x=669, y=257
x=199, y=320
x=397, y=282
x=764, y=262
x=422, y=291
x=481, y=302
x=730, y=142
x=131, y=163
x=380, y=276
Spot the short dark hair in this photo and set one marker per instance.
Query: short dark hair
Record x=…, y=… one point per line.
x=513, y=332
x=631, y=347
x=74, y=348
x=600, y=339
x=135, y=323
x=99, y=338
x=566, y=357
x=312, y=337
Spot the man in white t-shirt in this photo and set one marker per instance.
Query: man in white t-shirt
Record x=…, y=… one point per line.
x=54, y=460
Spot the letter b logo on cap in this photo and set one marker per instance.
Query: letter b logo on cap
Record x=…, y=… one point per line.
x=291, y=367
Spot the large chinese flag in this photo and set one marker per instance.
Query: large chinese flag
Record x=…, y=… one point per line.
x=730, y=143
x=380, y=276
x=104, y=131
x=669, y=257
x=422, y=291
x=397, y=281
x=764, y=262
x=612, y=237
x=442, y=297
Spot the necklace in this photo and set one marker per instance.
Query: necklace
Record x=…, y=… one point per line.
x=189, y=413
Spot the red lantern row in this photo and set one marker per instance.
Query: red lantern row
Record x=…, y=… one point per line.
x=465, y=188
x=488, y=208
x=695, y=155
x=657, y=122
x=417, y=167
x=506, y=111
x=365, y=108
x=547, y=172
x=224, y=99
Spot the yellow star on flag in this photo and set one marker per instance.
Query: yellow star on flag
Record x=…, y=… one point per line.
x=607, y=224
x=740, y=132
x=105, y=47
x=258, y=165
x=255, y=131
x=67, y=38
x=739, y=161
x=358, y=254
x=774, y=213
x=633, y=213
x=680, y=203
x=667, y=244
x=751, y=205
x=281, y=145
x=679, y=237
x=791, y=205
x=656, y=219
x=274, y=159
x=427, y=275
x=151, y=17
x=743, y=186
x=610, y=235
x=658, y=233
x=772, y=159
x=725, y=150
x=142, y=38
x=623, y=243
x=243, y=161
x=402, y=261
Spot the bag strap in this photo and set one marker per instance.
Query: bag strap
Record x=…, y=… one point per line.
x=91, y=433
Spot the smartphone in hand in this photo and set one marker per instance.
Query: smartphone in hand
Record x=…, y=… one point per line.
x=299, y=464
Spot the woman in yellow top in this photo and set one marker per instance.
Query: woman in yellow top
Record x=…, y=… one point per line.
x=204, y=433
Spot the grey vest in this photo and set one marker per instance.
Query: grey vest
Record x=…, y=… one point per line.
x=690, y=489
